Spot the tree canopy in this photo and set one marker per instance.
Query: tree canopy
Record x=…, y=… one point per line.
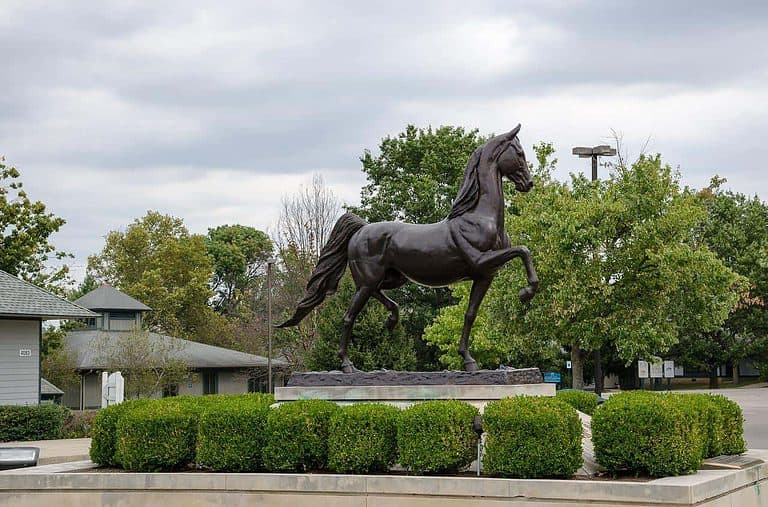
x=25, y=230
x=618, y=263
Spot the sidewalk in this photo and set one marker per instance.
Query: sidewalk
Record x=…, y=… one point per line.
x=57, y=451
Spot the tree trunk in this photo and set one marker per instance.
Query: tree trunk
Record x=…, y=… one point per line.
x=735, y=373
x=598, y=372
x=577, y=365
x=713, y=379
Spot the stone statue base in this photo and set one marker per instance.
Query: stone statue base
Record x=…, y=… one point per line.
x=520, y=376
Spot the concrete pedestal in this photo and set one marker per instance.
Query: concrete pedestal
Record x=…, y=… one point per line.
x=403, y=396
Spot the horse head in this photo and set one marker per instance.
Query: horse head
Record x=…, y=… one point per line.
x=510, y=160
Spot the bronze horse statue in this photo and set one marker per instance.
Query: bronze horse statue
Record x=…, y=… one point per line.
x=470, y=244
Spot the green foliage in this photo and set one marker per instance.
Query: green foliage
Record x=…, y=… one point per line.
x=157, y=261
x=363, y=438
x=25, y=229
x=711, y=420
x=239, y=253
x=648, y=433
x=297, y=436
x=580, y=400
x=372, y=345
x=104, y=431
x=610, y=255
x=437, y=436
x=231, y=436
x=155, y=437
x=531, y=437
x=732, y=436
x=42, y=422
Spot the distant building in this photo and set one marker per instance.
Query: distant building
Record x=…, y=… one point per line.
x=217, y=370
x=23, y=308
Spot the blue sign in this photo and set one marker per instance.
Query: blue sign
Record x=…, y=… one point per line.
x=552, y=377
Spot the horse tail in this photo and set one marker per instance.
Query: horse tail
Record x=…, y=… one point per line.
x=330, y=267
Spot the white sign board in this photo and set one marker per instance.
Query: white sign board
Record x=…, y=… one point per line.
x=669, y=369
x=657, y=369
x=679, y=371
x=568, y=365
x=642, y=369
x=112, y=389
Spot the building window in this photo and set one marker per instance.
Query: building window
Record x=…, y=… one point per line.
x=171, y=390
x=210, y=382
x=257, y=385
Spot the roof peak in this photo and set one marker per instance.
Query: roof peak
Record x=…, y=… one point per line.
x=106, y=297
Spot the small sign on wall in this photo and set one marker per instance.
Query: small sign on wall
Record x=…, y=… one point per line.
x=25, y=353
x=657, y=370
x=642, y=369
x=669, y=369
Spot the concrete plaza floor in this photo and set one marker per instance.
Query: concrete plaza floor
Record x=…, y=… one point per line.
x=57, y=451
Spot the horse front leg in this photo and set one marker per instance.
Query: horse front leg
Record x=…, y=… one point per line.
x=527, y=293
x=479, y=288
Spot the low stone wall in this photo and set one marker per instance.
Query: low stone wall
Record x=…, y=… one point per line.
x=61, y=485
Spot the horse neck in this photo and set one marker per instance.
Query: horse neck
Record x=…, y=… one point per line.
x=491, y=200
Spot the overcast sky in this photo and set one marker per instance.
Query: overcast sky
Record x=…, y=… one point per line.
x=211, y=111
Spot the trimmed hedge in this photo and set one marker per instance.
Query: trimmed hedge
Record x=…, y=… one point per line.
x=231, y=436
x=437, y=436
x=732, y=433
x=155, y=438
x=710, y=419
x=104, y=431
x=531, y=437
x=38, y=422
x=580, y=400
x=298, y=436
x=648, y=433
x=363, y=438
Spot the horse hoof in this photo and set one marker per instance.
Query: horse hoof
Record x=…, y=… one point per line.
x=526, y=294
x=470, y=365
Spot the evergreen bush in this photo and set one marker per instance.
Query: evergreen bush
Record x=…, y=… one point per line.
x=39, y=422
x=363, y=438
x=437, y=436
x=297, y=436
x=531, y=437
x=648, y=433
x=732, y=433
x=580, y=400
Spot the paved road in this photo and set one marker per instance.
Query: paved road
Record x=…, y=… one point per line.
x=754, y=404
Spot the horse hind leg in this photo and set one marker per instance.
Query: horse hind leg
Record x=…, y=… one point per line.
x=479, y=288
x=356, y=305
x=394, y=310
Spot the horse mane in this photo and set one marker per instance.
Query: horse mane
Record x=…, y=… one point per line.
x=469, y=192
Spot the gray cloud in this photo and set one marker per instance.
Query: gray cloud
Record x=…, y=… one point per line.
x=211, y=111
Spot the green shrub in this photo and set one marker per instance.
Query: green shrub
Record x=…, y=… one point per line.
x=297, y=435
x=104, y=431
x=580, y=400
x=710, y=420
x=363, y=438
x=437, y=436
x=531, y=437
x=37, y=422
x=732, y=433
x=155, y=437
x=647, y=433
x=231, y=436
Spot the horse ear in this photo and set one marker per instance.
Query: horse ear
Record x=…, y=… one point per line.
x=513, y=132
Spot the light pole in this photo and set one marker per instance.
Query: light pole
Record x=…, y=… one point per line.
x=270, y=264
x=584, y=152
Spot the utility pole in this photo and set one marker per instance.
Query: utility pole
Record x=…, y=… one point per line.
x=584, y=152
x=270, y=264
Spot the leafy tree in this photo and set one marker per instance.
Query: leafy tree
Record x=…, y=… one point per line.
x=88, y=284
x=618, y=263
x=60, y=367
x=157, y=261
x=148, y=364
x=414, y=178
x=736, y=229
x=25, y=229
x=239, y=255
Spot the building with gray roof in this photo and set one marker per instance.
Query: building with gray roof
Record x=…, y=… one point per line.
x=119, y=317
x=23, y=308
